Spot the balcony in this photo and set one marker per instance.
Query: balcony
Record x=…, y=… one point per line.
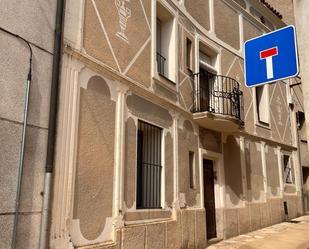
x=218, y=102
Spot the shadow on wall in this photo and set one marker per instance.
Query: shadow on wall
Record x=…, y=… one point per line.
x=232, y=168
x=254, y=171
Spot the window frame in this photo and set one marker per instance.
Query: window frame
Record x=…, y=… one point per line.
x=259, y=122
x=162, y=182
x=192, y=171
x=166, y=81
x=289, y=166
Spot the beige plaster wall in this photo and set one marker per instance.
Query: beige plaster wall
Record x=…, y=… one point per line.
x=131, y=56
x=224, y=26
x=254, y=171
x=130, y=164
x=199, y=10
x=285, y=8
x=188, y=141
x=250, y=30
x=95, y=158
x=259, y=215
x=154, y=114
x=188, y=230
x=210, y=140
x=149, y=111
x=232, y=169
x=272, y=171
x=169, y=170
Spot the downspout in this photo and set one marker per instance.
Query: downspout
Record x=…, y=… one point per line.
x=52, y=121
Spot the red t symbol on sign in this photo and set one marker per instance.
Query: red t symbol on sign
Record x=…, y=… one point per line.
x=268, y=55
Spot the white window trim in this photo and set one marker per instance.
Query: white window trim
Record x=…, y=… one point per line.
x=154, y=71
x=256, y=118
x=162, y=190
x=287, y=153
x=213, y=47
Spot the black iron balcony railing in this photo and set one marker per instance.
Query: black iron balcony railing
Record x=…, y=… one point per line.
x=160, y=62
x=218, y=94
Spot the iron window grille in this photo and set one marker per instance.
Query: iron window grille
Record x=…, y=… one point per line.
x=149, y=168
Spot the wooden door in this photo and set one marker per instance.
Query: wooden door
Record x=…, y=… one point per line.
x=209, y=198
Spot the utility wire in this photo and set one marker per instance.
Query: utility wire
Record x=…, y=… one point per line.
x=22, y=145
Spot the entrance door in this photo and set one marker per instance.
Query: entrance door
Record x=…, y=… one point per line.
x=209, y=198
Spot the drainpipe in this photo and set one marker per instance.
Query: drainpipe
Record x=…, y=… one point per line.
x=52, y=121
x=22, y=145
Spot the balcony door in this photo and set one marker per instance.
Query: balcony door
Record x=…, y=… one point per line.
x=206, y=88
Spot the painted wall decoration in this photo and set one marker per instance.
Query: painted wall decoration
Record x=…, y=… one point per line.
x=124, y=13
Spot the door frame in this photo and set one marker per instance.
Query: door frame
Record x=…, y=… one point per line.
x=219, y=185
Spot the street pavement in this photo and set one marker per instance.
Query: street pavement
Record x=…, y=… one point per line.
x=287, y=235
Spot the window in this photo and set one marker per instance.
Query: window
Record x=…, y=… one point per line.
x=189, y=56
x=192, y=169
x=165, y=43
x=149, y=168
x=288, y=178
x=262, y=104
x=301, y=124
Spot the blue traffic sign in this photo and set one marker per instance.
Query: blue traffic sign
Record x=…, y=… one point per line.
x=271, y=57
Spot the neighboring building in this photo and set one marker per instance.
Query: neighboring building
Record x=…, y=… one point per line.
x=160, y=144
x=35, y=22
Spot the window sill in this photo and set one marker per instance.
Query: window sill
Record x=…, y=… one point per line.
x=289, y=184
x=146, y=215
x=143, y=222
x=263, y=125
x=165, y=82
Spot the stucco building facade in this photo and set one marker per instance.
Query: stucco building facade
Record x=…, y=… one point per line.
x=160, y=144
x=34, y=21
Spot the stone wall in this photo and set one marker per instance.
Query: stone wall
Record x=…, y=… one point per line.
x=187, y=231
x=34, y=21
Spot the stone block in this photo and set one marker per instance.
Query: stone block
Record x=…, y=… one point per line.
x=28, y=231
x=134, y=237
x=34, y=170
x=6, y=230
x=255, y=216
x=200, y=236
x=14, y=82
x=231, y=219
x=244, y=220
x=33, y=20
x=188, y=227
x=275, y=210
x=174, y=236
x=156, y=236
x=220, y=222
x=265, y=215
x=10, y=138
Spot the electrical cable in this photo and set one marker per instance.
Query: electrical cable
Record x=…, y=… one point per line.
x=22, y=146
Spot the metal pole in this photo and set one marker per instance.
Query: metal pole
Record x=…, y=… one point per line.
x=21, y=160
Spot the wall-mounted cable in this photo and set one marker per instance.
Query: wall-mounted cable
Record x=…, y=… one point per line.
x=22, y=145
